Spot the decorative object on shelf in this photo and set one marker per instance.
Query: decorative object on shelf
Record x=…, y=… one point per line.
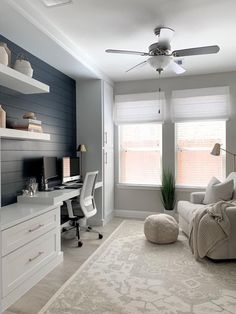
x=4, y=57
x=168, y=190
x=82, y=149
x=216, y=152
x=29, y=115
x=32, y=186
x=2, y=117
x=23, y=65
x=8, y=51
x=28, y=123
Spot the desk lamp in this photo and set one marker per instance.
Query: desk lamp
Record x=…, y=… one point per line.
x=82, y=149
x=216, y=152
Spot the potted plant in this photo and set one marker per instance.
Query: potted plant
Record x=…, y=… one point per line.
x=168, y=190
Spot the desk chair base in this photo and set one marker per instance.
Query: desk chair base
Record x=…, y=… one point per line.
x=75, y=225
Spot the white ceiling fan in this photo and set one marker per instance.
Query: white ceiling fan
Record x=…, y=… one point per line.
x=160, y=54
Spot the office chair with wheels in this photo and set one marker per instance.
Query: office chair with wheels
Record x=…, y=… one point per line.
x=86, y=205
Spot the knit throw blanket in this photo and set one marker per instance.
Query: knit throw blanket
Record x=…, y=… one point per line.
x=209, y=226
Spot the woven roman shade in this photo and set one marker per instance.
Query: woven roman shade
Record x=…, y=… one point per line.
x=139, y=108
x=200, y=104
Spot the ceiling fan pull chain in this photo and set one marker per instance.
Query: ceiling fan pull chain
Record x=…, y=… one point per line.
x=159, y=92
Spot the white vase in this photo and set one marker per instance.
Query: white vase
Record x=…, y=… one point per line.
x=2, y=118
x=8, y=51
x=3, y=56
x=24, y=67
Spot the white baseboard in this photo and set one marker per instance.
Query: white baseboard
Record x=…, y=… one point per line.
x=136, y=214
x=97, y=222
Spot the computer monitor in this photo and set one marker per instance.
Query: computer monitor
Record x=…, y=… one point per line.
x=49, y=168
x=70, y=169
x=49, y=172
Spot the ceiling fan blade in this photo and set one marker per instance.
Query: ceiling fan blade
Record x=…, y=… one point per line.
x=139, y=65
x=166, y=35
x=196, y=51
x=175, y=67
x=130, y=52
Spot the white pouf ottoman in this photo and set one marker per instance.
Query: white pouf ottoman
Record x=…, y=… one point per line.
x=161, y=229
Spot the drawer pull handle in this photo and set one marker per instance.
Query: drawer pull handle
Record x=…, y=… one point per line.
x=36, y=228
x=33, y=258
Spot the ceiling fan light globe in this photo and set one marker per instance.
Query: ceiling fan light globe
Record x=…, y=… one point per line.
x=159, y=62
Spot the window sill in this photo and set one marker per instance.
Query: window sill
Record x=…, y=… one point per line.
x=152, y=187
x=189, y=187
x=137, y=186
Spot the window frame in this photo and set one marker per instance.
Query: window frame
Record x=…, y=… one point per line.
x=189, y=186
x=137, y=186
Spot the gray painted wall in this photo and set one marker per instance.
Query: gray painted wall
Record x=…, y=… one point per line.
x=144, y=199
x=89, y=132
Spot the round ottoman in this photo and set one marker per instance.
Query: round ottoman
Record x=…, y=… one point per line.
x=161, y=229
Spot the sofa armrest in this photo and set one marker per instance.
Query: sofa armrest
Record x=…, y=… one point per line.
x=197, y=197
x=231, y=213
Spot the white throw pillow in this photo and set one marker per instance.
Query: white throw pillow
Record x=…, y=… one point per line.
x=232, y=176
x=217, y=191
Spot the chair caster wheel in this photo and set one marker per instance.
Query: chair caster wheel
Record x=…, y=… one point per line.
x=80, y=243
x=100, y=236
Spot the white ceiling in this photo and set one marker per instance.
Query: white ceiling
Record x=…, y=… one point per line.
x=88, y=27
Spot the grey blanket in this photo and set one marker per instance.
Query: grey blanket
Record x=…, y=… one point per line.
x=209, y=226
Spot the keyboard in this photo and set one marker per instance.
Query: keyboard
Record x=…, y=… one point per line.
x=74, y=186
x=59, y=187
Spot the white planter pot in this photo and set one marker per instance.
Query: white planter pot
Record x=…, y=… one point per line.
x=170, y=212
x=24, y=67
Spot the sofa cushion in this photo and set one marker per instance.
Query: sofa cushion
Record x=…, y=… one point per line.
x=217, y=191
x=186, y=209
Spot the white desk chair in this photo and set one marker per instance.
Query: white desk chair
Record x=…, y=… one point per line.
x=87, y=205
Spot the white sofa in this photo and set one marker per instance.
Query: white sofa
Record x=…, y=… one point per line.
x=186, y=210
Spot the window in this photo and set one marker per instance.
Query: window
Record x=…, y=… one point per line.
x=139, y=118
x=194, y=141
x=140, y=153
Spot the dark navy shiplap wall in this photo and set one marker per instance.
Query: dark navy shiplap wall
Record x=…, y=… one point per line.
x=57, y=110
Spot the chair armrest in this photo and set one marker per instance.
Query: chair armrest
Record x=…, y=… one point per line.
x=197, y=197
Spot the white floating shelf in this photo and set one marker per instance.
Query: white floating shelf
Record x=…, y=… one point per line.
x=22, y=83
x=23, y=135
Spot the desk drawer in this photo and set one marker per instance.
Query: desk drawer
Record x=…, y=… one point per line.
x=21, y=264
x=25, y=232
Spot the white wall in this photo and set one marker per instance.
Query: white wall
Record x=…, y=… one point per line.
x=147, y=199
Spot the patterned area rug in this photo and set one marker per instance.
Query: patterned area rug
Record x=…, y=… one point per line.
x=129, y=275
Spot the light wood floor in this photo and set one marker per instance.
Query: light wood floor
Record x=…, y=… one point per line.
x=74, y=257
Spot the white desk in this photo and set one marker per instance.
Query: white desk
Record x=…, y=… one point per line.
x=52, y=197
